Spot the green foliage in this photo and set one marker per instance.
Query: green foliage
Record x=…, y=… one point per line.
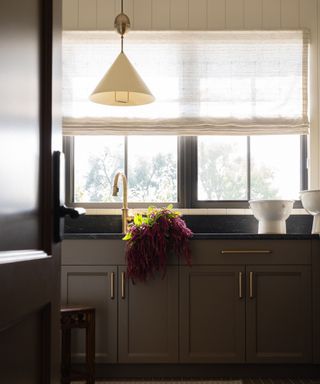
x=154, y=180
x=222, y=176
x=102, y=169
x=151, y=217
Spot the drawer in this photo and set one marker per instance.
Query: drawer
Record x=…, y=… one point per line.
x=98, y=252
x=92, y=252
x=211, y=252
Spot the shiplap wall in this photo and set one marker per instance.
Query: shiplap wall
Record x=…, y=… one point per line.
x=214, y=15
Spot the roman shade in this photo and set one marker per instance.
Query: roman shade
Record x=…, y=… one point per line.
x=205, y=83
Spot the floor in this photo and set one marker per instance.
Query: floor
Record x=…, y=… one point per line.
x=216, y=381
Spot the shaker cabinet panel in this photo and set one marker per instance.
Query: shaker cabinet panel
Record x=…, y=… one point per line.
x=94, y=286
x=148, y=319
x=278, y=314
x=212, y=314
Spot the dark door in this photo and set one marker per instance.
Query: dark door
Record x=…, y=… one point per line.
x=212, y=314
x=279, y=322
x=29, y=132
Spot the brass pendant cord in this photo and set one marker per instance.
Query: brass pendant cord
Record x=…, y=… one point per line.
x=122, y=33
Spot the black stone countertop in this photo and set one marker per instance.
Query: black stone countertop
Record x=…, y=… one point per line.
x=201, y=236
x=205, y=227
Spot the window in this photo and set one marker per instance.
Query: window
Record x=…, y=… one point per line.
x=235, y=168
x=207, y=171
x=150, y=163
x=227, y=105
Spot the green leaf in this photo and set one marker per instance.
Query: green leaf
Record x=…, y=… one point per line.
x=138, y=219
x=151, y=208
x=170, y=206
x=127, y=236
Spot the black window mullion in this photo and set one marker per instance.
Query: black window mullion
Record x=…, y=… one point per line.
x=186, y=176
x=304, y=162
x=181, y=173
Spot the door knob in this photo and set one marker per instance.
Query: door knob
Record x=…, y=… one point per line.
x=72, y=212
x=60, y=209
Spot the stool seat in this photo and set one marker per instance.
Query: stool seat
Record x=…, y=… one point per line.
x=73, y=317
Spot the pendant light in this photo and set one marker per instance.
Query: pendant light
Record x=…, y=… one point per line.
x=122, y=85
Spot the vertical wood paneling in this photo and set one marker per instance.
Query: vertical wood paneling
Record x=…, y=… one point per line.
x=70, y=12
x=234, y=14
x=271, y=14
x=198, y=14
x=142, y=14
x=216, y=14
x=105, y=14
x=253, y=14
x=179, y=14
x=128, y=7
x=290, y=14
x=161, y=14
x=308, y=16
x=87, y=14
x=213, y=15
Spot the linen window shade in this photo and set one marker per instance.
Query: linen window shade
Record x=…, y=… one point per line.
x=205, y=83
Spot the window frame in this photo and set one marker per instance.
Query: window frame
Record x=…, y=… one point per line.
x=68, y=148
x=195, y=203
x=187, y=177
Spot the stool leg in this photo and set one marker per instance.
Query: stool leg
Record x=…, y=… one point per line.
x=66, y=356
x=90, y=347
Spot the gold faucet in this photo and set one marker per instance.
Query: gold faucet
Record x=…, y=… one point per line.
x=125, y=210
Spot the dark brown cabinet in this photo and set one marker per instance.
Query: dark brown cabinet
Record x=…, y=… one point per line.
x=212, y=314
x=253, y=314
x=148, y=319
x=278, y=314
x=247, y=302
x=146, y=329
x=240, y=302
x=95, y=286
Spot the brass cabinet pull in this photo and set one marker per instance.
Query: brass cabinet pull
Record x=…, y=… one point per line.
x=240, y=285
x=251, y=251
x=112, y=285
x=251, y=285
x=123, y=292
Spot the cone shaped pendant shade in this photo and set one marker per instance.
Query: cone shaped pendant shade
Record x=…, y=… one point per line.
x=122, y=85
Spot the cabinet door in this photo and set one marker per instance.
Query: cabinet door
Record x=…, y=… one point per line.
x=92, y=285
x=279, y=325
x=148, y=319
x=212, y=314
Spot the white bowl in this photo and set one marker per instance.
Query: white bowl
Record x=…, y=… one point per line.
x=271, y=214
x=311, y=203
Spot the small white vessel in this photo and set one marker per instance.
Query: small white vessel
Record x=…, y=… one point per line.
x=271, y=214
x=311, y=203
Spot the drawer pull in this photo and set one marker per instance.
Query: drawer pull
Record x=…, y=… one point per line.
x=242, y=252
x=123, y=291
x=240, y=285
x=112, y=285
x=251, y=285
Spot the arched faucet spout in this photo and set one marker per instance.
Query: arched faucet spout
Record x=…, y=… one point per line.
x=115, y=189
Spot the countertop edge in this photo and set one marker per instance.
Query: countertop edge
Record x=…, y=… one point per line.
x=202, y=236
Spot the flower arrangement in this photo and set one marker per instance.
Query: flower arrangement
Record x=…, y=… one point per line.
x=151, y=237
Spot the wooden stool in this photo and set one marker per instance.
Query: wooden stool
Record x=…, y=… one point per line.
x=77, y=317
